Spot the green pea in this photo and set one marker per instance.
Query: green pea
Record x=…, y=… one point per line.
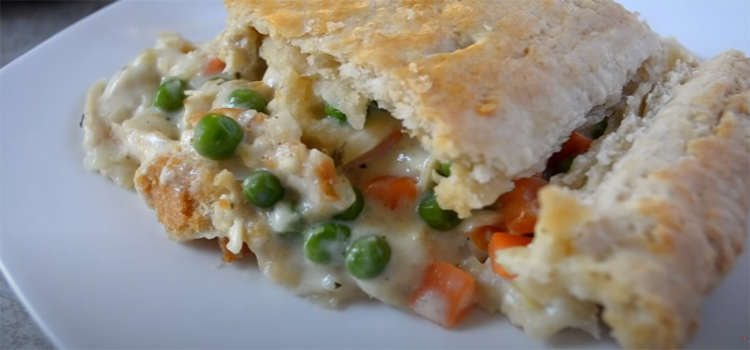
x=367, y=257
x=444, y=170
x=169, y=95
x=436, y=217
x=262, y=189
x=564, y=165
x=599, y=129
x=217, y=136
x=355, y=209
x=324, y=242
x=334, y=113
x=247, y=99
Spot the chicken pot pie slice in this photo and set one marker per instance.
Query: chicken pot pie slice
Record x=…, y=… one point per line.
x=663, y=215
x=395, y=149
x=494, y=87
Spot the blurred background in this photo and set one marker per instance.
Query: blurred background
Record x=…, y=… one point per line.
x=23, y=25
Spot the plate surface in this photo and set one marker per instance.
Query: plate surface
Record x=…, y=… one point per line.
x=95, y=269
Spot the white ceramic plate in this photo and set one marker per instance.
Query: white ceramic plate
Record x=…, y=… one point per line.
x=95, y=269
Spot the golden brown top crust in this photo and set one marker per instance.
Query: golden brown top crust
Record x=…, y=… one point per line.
x=491, y=84
x=666, y=223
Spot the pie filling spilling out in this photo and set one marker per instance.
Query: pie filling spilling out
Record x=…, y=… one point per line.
x=557, y=173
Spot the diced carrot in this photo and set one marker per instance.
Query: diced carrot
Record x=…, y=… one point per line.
x=392, y=191
x=224, y=204
x=214, y=66
x=446, y=294
x=503, y=240
x=480, y=236
x=520, y=206
x=576, y=144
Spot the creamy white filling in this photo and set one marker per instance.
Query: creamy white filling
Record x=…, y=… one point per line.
x=282, y=218
x=123, y=131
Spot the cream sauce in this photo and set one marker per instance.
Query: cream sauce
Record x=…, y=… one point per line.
x=319, y=162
